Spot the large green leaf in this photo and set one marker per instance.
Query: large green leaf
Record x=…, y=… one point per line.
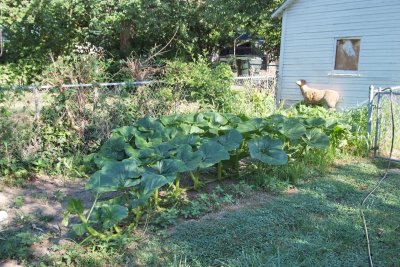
x=217, y=118
x=152, y=181
x=167, y=149
x=277, y=119
x=149, y=124
x=176, y=120
x=316, y=138
x=167, y=167
x=190, y=129
x=201, y=120
x=109, y=215
x=79, y=229
x=292, y=128
x=114, y=148
x=100, y=160
x=253, y=125
x=268, y=151
x=315, y=122
x=75, y=206
x=191, y=159
x=128, y=132
x=131, y=152
x=115, y=175
x=172, y=132
x=231, y=140
x=213, y=152
x=190, y=139
x=170, y=120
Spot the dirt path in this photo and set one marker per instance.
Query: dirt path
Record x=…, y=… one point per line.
x=39, y=206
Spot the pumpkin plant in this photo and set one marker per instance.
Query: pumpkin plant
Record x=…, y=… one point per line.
x=140, y=159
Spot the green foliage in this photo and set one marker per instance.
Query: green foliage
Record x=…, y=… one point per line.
x=15, y=134
x=138, y=160
x=347, y=130
x=76, y=68
x=16, y=245
x=210, y=85
x=19, y=202
x=268, y=151
x=105, y=216
x=34, y=30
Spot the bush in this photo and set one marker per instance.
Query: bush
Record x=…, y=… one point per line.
x=210, y=85
x=19, y=73
x=350, y=134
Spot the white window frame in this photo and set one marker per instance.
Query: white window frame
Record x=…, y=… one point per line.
x=344, y=73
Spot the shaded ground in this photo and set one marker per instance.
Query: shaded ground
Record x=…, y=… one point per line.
x=37, y=208
x=317, y=223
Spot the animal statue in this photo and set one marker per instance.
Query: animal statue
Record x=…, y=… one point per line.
x=318, y=96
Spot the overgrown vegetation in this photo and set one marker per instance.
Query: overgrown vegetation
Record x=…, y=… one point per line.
x=140, y=160
x=35, y=30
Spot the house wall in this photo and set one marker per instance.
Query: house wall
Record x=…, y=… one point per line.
x=310, y=29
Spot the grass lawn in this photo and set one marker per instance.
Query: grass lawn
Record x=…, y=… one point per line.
x=316, y=224
x=319, y=225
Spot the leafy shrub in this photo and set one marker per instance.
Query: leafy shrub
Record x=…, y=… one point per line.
x=348, y=129
x=210, y=85
x=252, y=103
x=18, y=73
x=75, y=68
x=15, y=137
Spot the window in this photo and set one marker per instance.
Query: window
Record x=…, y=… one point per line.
x=347, y=54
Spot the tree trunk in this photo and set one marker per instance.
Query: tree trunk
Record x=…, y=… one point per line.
x=125, y=38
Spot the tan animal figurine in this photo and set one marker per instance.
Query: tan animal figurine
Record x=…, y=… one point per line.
x=317, y=96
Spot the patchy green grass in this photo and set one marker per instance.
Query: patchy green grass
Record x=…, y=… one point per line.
x=319, y=225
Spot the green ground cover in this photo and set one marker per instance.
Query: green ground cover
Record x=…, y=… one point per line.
x=316, y=223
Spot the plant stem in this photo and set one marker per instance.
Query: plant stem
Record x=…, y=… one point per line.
x=90, y=229
x=156, y=198
x=195, y=179
x=94, y=203
x=138, y=215
x=177, y=185
x=219, y=169
x=237, y=162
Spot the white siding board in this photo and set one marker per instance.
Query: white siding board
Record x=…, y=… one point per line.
x=336, y=8
x=340, y=3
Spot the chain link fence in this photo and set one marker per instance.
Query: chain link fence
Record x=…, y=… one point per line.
x=151, y=98
x=382, y=102
x=109, y=105
x=265, y=83
x=148, y=97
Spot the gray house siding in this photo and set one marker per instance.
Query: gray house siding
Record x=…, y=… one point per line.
x=308, y=47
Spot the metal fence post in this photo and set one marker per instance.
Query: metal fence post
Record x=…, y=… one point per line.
x=37, y=102
x=370, y=108
x=378, y=118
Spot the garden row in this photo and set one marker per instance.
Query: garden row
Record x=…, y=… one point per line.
x=138, y=160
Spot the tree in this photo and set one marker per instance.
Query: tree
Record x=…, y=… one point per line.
x=36, y=28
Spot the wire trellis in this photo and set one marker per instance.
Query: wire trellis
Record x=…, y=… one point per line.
x=380, y=123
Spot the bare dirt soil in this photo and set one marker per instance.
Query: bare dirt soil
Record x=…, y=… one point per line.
x=39, y=206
